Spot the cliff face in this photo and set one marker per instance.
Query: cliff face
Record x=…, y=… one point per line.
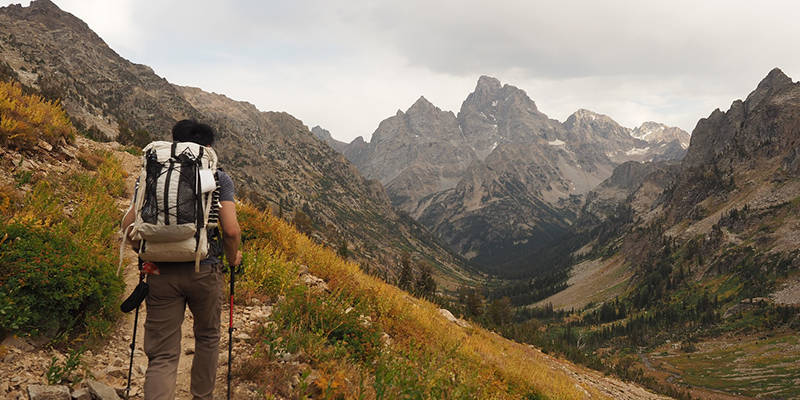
x=755, y=137
x=729, y=205
x=275, y=160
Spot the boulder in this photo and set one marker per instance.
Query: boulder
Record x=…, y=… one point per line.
x=101, y=391
x=45, y=392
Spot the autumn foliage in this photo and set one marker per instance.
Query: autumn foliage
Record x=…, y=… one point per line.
x=25, y=119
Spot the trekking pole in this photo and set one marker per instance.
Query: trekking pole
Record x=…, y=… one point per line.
x=230, y=332
x=133, y=346
x=136, y=297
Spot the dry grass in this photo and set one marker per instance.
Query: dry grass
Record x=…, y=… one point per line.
x=442, y=356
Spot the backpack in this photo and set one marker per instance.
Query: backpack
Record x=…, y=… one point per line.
x=173, y=203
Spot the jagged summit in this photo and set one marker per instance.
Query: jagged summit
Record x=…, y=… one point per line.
x=655, y=132
x=51, y=16
x=773, y=82
x=488, y=84
x=422, y=105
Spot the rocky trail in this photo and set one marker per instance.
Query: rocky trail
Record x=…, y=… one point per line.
x=24, y=365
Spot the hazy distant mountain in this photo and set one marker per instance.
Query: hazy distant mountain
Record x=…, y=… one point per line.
x=500, y=178
x=275, y=160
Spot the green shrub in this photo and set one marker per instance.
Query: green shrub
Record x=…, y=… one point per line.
x=12, y=317
x=55, y=281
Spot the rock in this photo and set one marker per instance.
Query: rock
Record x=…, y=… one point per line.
x=189, y=351
x=242, y=337
x=117, y=372
x=17, y=343
x=29, y=165
x=45, y=392
x=82, y=394
x=286, y=357
x=68, y=151
x=450, y=317
x=101, y=391
x=315, y=282
x=45, y=146
x=135, y=391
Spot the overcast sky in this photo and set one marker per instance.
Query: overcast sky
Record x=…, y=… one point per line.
x=346, y=65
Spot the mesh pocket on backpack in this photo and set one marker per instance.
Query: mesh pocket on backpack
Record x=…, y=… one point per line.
x=151, y=208
x=187, y=206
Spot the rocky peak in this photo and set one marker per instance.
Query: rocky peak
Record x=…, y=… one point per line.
x=494, y=115
x=50, y=15
x=773, y=82
x=760, y=131
x=488, y=85
x=654, y=132
x=773, y=103
x=321, y=134
x=421, y=120
x=598, y=125
x=422, y=108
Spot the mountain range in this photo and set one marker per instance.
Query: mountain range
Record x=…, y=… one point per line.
x=499, y=179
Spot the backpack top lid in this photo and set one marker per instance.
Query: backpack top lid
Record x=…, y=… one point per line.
x=163, y=151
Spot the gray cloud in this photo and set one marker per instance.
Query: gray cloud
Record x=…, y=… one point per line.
x=348, y=64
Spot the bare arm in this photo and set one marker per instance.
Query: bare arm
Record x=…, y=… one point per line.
x=126, y=222
x=231, y=233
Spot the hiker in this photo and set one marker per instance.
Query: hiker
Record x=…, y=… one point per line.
x=177, y=284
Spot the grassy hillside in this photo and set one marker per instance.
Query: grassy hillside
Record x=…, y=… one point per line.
x=363, y=338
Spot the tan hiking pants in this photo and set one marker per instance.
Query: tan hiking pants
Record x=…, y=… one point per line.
x=178, y=286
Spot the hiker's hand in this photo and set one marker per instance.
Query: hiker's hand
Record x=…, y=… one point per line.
x=237, y=261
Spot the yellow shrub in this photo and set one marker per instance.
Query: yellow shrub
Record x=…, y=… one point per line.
x=26, y=119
